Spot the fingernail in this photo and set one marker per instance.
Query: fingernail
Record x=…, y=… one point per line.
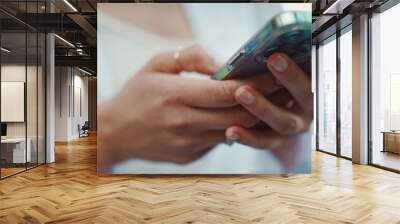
x=244, y=96
x=278, y=62
x=295, y=124
x=233, y=136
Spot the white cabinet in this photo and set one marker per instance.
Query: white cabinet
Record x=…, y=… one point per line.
x=16, y=147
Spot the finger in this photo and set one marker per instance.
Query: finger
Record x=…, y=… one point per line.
x=209, y=138
x=196, y=59
x=191, y=59
x=208, y=93
x=280, y=98
x=279, y=119
x=197, y=146
x=293, y=78
x=220, y=118
x=264, y=83
x=263, y=139
x=217, y=94
x=191, y=156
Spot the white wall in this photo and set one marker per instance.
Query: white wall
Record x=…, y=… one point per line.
x=69, y=84
x=80, y=85
x=12, y=100
x=12, y=73
x=61, y=103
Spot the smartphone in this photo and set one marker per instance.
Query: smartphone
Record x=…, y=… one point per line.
x=288, y=32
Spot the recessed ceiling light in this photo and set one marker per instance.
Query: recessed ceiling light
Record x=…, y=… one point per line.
x=337, y=7
x=5, y=50
x=70, y=5
x=84, y=71
x=65, y=41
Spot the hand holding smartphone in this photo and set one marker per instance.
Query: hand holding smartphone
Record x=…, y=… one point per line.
x=288, y=32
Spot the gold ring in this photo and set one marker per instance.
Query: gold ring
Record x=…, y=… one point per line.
x=177, y=57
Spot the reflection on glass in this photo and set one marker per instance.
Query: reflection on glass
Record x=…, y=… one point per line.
x=14, y=153
x=327, y=96
x=41, y=98
x=31, y=100
x=385, y=87
x=22, y=92
x=346, y=94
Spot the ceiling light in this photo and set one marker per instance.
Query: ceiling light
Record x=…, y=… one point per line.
x=70, y=5
x=337, y=7
x=65, y=41
x=84, y=71
x=5, y=50
x=331, y=7
x=79, y=51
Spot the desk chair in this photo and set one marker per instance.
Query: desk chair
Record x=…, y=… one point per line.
x=84, y=130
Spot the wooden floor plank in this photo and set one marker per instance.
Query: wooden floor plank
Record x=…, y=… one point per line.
x=69, y=191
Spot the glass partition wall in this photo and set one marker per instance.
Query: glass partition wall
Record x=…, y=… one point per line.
x=334, y=94
x=345, y=91
x=22, y=107
x=385, y=89
x=334, y=109
x=13, y=89
x=326, y=98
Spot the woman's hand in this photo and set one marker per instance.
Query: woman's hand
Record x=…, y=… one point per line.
x=162, y=116
x=285, y=123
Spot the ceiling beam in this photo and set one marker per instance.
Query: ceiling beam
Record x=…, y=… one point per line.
x=81, y=61
x=84, y=24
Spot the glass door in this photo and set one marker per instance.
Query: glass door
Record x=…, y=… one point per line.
x=22, y=98
x=14, y=153
x=32, y=98
x=326, y=96
x=385, y=90
x=345, y=92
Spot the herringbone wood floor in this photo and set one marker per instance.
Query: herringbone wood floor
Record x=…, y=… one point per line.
x=69, y=191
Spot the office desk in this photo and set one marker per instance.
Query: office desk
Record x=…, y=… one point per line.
x=391, y=141
x=13, y=150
